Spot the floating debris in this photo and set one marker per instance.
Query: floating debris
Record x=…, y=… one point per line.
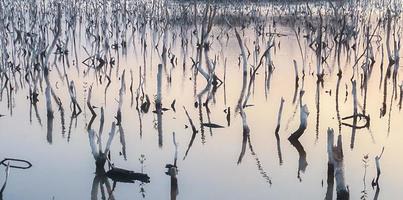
x=212, y=125
x=6, y=162
x=127, y=176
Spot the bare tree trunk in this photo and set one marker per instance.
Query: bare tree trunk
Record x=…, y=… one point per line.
x=303, y=120
x=337, y=159
x=158, y=105
x=280, y=112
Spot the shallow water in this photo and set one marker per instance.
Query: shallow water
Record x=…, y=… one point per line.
x=64, y=167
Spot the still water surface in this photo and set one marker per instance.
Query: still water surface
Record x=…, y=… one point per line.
x=64, y=166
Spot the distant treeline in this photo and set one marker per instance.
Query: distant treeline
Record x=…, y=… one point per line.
x=250, y=1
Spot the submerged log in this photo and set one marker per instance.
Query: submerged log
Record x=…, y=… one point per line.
x=123, y=175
